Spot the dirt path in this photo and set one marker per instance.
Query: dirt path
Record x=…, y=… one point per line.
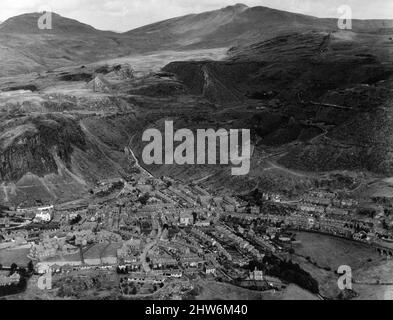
x=278, y=167
x=148, y=247
x=323, y=134
x=137, y=165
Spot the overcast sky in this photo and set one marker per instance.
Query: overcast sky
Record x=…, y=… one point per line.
x=123, y=15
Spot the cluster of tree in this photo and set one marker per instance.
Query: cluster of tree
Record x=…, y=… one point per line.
x=15, y=288
x=144, y=198
x=130, y=291
x=191, y=294
x=254, y=198
x=132, y=288
x=24, y=272
x=347, y=294
x=81, y=287
x=122, y=270
x=287, y=271
x=76, y=220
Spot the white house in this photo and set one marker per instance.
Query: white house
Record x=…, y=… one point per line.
x=186, y=219
x=44, y=214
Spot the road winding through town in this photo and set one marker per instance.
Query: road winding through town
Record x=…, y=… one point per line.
x=149, y=246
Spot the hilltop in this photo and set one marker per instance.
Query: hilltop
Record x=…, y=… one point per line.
x=239, y=25
x=27, y=24
x=25, y=48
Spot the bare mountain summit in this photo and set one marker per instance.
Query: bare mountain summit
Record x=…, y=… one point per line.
x=28, y=24
x=26, y=48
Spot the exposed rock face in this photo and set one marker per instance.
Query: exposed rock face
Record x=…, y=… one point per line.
x=293, y=66
x=218, y=81
x=29, y=146
x=340, y=82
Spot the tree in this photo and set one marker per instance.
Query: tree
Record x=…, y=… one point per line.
x=30, y=267
x=126, y=290
x=133, y=291
x=14, y=267
x=23, y=272
x=143, y=199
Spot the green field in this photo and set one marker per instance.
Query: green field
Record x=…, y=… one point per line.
x=321, y=255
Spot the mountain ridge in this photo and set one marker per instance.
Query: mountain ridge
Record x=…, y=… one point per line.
x=238, y=8
x=27, y=49
x=28, y=23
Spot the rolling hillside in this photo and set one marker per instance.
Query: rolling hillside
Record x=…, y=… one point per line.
x=27, y=24
x=24, y=48
x=239, y=25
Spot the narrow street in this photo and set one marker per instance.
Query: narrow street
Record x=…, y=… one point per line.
x=149, y=246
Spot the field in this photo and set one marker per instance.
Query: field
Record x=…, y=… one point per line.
x=333, y=252
x=210, y=290
x=321, y=255
x=18, y=256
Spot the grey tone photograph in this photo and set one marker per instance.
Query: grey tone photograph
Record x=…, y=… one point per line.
x=201, y=150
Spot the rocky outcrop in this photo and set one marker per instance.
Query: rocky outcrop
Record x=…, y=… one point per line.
x=28, y=147
x=294, y=67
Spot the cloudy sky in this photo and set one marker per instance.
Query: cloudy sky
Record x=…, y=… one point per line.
x=122, y=15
